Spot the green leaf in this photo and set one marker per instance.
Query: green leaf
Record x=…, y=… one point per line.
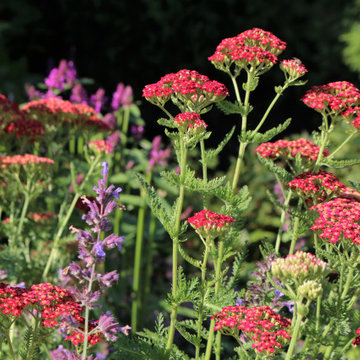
x=228, y=108
x=212, y=153
x=298, y=83
x=188, y=258
x=284, y=175
x=339, y=163
x=187, y=290
x=252, y=84
x=167, y=122
x=120, y=178
x=191, y=338
x=268, y=135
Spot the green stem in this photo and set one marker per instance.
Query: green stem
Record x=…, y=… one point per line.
x=282, y=222
x=294, y=337
x=30, y=354
x=341, y=145
x=348, y=283
x=173, y=315
x=242, y=148
x=318, y=310
x=294, y=235
x=204, y=169
x=136, y=304
x=65, y=221
x=216, y=290
x=10, y=345
x=203, y=291
x=324, y=138
x=267, y=112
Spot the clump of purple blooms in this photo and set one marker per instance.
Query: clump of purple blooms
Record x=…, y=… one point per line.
x=89, y=285
x=158, y=156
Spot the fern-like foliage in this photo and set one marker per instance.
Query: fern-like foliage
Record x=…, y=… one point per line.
x=227, y=107
x=213, y=153
x=338, y=164
x=30, y=349
x=284, y=175
x=253, y=137
x=189, y=258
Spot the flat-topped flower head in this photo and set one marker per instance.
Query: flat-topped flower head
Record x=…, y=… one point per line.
x=188, y=89
x=352, y=114
x=288, y=149
x=22, y=127
x=293, y=69
x=334, y=97
x=8, y=161
x=299, y=267
x=100, y=146
x=267, y=330
x=252, y=48
x=55, y=112
x=339, y=219
x=317, y=186
x=210, y=224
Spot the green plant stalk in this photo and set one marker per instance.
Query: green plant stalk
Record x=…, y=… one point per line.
x=341, y=145
x=318, y=311
x=204, y=170
x=324, y=138
x=348, y=283
x=8, y=338
x=294, y=337
x=136, y=304
x=80, y=145
x=294, y=235
x=67, y=218
x=243, y=354
x=149, y=255
x=282, y=222
x=33, y=343
x=87, y=311
x=173, y=315
x=267, y=112
x=72, y=145
x=216, y=290
x=203, y=291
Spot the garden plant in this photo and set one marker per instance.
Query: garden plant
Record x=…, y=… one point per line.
x=117, y=247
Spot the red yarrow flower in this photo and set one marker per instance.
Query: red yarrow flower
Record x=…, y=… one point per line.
x=356, y=342
x=267, y=330
x=317, y=186
x=289, y=149
x=6, y=161
x=294, y=68
x=24, y=127
x=101, y=146
x=188, y=120
x=334, y=97
x=339, y=219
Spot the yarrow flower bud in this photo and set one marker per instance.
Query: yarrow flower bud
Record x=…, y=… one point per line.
x=287, y=149
x=190, y=121
x=299, y=267
x=267, y=330
x=317, y=187
x=310, y=289
x=293, y=69
x=339, y=218
x=210, y=224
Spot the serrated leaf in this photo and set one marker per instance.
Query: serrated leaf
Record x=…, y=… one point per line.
x=338, y=164
x=167, y=122
x=212, y=153
x=191, y=338
x=252, y=84
x=188, y=258
x=268, y=135
x=228, y=108
x=284, y=175
x=298, y=83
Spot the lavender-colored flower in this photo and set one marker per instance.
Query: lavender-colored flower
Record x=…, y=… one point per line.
x=113, y=139
x=98, y=100
x=106, y=280
x=240, y=302
x=137, y=131
x=98, y=251
x=78, y=95
x=32, y=93
x=113, y=240
x=108, y=326
x=277, y=191
x=110, y=120
x=3, y=274
x=64, y=75
x=125, y=329
x=122, y=96
x=158, y=157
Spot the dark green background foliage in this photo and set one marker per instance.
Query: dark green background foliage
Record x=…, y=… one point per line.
x=139, y=41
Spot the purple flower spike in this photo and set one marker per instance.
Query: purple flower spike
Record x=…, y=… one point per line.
x=122, y=96
x=112, y=241
x=98, y=100
x=99, y=251
x=110, y=120
x=278, y=293
x=108, y=279
x=105, y=170
x=79, y=95
x=108, y=326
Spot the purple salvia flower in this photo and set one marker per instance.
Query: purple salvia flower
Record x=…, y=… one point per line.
x=79, y=95
x=98, y=100
x=137, y=131
x=106, y=280
x=65, y=74
x=112, y=241
x=240, y=302
x=158, y=157
x=108, y=326
x=98, y=251
x=113, y=139
x=32, y=93
x=125, y=329
x=110, y=120
x=122, y=96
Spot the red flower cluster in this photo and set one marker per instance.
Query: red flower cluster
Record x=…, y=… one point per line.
x=185, y=85
x=266, y=329
x=63, y=112
x=333, y=97
x=295, y=68
x=6, y=161
x=353, y=112
x=46, y=299
x=338, y=217
x=41, y=217
x=12, y=120
x=356, y=342
x=289, y=149
x=207, y=219
x=190, y=120
x=317, y=187
x=253, y=47
x=101, y=146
